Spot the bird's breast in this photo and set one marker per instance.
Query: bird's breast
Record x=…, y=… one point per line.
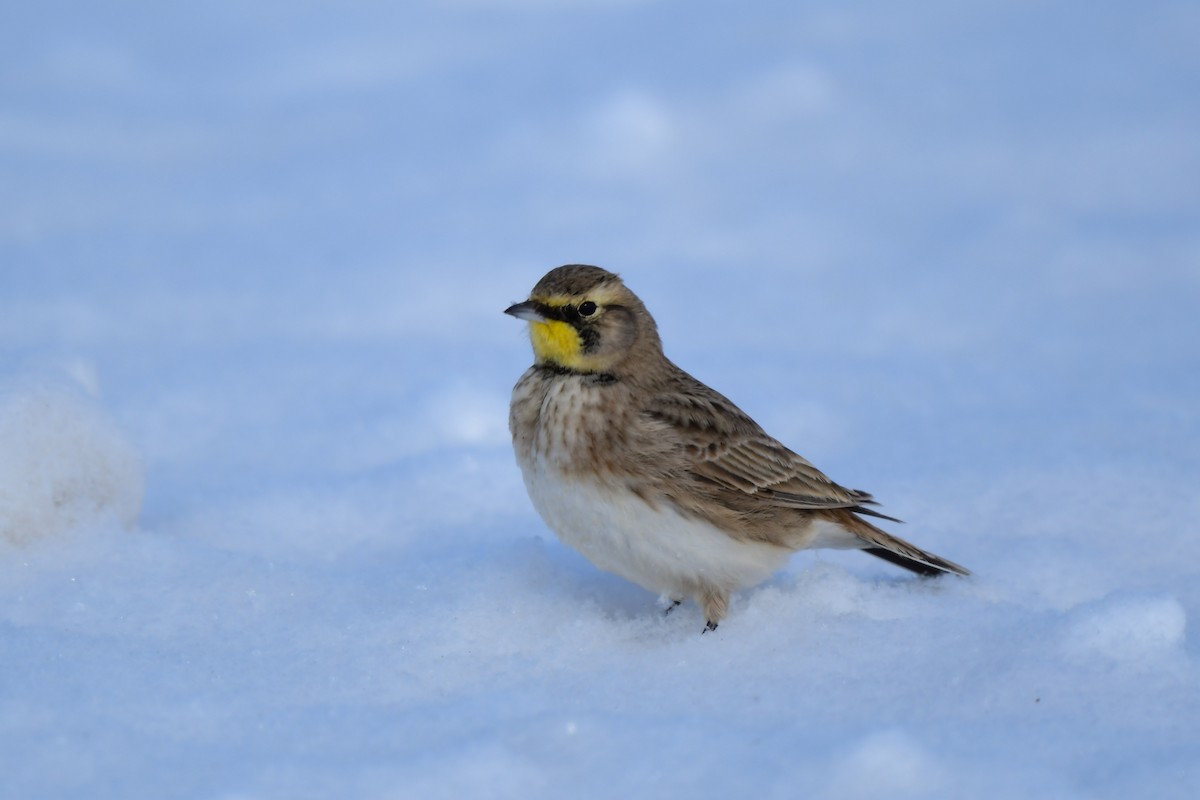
x=571, y=423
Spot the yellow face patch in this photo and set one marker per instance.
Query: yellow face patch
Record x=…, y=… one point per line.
x=557, y=343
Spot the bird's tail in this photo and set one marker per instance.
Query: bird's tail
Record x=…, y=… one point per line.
x=882, y=544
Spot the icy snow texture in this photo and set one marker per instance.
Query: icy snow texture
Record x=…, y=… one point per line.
x=946, y=251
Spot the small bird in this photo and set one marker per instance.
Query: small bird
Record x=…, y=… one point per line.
x=653, y=475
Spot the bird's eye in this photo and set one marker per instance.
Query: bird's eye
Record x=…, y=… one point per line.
x=587, y=308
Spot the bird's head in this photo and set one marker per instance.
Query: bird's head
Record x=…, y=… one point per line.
x=583, y=319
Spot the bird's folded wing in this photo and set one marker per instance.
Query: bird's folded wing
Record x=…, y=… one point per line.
x=724, y=446
x=763, y=466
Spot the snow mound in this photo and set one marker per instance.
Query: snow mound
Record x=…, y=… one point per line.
x=62, y=464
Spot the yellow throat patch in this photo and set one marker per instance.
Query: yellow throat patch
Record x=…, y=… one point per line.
x=557, y=343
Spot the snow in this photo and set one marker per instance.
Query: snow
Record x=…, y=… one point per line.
x=261, y=531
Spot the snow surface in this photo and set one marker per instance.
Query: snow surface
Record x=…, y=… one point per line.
x=252, y=261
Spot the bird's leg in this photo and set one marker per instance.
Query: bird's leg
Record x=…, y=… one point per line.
x=715, y=604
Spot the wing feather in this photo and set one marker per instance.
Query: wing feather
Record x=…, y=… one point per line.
x=725, y=448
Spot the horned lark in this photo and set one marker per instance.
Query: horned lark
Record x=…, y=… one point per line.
x=656, y=477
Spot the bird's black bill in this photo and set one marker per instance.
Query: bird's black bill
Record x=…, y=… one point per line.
x=528, y=311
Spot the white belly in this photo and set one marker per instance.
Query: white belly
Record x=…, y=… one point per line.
x=656, y=548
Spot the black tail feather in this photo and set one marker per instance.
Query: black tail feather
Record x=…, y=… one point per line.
x=870, y=512
x=925, y=570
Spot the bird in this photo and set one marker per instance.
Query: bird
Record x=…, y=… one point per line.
x=655, y=476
